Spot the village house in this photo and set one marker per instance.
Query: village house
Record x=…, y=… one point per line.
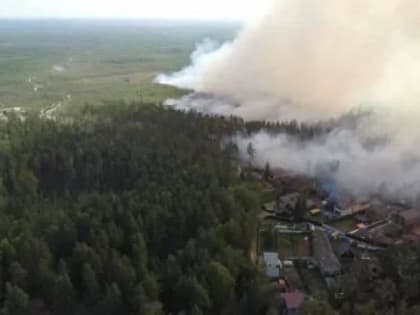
x=312, y=203
x=409, y=223
x=380, y=211
x=315, y=211
x=352, y=208
x=288, y=202
x=292, y=303
x=324, y=255
x=278, y=175
x=344, y=250
x=290, y=181
x=408, y=218
x=272, y=265
x=344, y=209
x=282, y=286
x=270, y=206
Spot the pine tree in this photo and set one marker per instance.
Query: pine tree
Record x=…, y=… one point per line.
x=91, y=286
x=64, y=295
x=111, y=304
x=267, y=171
x=251, y=151
x=196, y=310
x=16, y=302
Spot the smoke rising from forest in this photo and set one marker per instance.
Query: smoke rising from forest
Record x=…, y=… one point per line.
x=311, y=60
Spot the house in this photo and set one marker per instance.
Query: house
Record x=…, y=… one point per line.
x=333, y=209
x=415, y=231
x=351, y=208
x=288, y=202
x=290, y=181
x=363, y=218
x=282, y=286
x=270, y=206
x=361, y=226
x=408, y=218
x=324, y=255
x=292, y=302
x=312, y=203
x=392, y=230
x=344, y=250
x=380, y=211
x=272, y=265
x=315, y=211
x=278, y=174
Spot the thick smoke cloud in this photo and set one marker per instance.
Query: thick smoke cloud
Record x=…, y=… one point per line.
x=315, y=59
x=361, y=169
x=187, y=76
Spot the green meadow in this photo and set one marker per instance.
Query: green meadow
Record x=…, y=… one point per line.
x=75, y=62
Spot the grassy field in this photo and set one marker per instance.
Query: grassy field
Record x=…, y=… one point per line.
x=77, y=62
x=345, y=224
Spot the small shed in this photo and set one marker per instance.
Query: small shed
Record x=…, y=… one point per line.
x=292, y=302
x=270, y=206
x=272, y=264
x=315, y=211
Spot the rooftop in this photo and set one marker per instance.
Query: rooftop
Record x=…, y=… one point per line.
x=271, y=258
x=272, y=262
x=270, y=206
x=272, y=272
x=324, y=254
x=290, y=198
x=411, y=214
x=293, y=300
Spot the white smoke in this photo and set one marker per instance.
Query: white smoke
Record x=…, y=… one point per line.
x=204, y=103
x=315, y=59
x=187, y=77
x=359, y=168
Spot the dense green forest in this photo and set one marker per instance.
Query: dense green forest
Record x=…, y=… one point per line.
x=126, y=209
x=140, y=209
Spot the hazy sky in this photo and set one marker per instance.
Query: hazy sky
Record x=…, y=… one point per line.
x=173, y=9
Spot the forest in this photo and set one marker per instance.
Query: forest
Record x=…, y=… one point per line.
x=126, y=209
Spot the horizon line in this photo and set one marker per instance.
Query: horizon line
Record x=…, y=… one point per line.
x=118, y=18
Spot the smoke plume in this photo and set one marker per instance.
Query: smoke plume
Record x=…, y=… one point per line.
x=312, y=60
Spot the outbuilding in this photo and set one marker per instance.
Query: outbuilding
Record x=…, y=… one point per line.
x=272, y=265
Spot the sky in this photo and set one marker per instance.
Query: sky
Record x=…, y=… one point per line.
x=149, y=9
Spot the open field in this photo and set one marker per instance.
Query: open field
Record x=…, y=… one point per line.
x=345, y=224
x=79, y=61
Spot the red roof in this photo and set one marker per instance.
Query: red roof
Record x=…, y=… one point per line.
x=293, y=300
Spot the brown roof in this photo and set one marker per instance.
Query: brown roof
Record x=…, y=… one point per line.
x=415, y=230
x=293, y=300
x=355, y=206
x=411, y=216
x=381, y=211
x=277, y=171
x=411, y=237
